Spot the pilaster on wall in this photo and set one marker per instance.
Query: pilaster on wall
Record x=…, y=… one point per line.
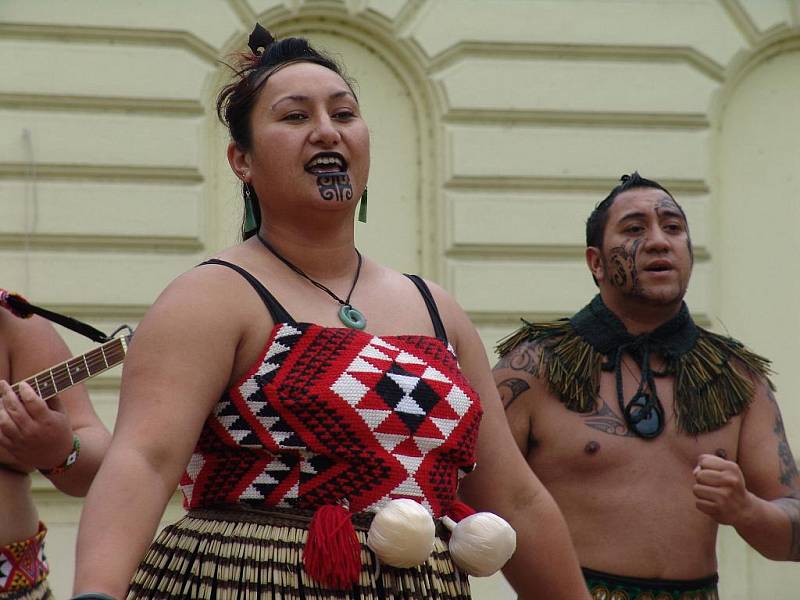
x=755, y=181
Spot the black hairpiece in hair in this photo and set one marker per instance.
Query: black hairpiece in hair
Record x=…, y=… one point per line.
x=260, y=39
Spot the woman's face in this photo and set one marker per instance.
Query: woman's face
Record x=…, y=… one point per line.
x=309, y=144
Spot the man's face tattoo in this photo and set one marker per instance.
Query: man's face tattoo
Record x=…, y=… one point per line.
x=664, y=204
x=669, y=206
x=335, y=186
x=621, y=265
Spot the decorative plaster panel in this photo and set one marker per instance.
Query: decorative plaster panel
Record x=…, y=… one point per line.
x=576, y=85
x=119, y=70
x=766, y=14
x=525, y=287
x=576, y=152
x=209, y=20
x=91, y=209
x=699, y=24
x=111, y=278
x=542, y=220
x=388, y=8
x=100, y=139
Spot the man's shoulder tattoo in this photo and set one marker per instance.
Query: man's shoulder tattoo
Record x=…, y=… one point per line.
x=510, y=389
x=524, y=357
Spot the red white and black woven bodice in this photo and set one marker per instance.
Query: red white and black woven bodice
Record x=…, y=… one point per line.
x=328, y=414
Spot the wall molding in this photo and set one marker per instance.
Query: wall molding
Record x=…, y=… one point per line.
x=409, y=16
x=116, y=35
x=511, y=319
x=632, y=120
x=100, y=243
x=243, y=10
x=527, y=252
x=573, y=184
x=776, y=40
x=741, y=18
x=117, y=313
x=517, y=50
x=126, y=173
x=94, y=104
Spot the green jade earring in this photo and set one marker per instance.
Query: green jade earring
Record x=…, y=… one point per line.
x=362, y=209
x=249, y=215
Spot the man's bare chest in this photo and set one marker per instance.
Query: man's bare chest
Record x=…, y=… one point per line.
x=600, y=442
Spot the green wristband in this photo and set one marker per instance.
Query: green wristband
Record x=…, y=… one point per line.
x=71, y=459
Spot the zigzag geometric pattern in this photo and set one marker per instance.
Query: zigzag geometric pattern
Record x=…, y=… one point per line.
x=331, y=413
x=23, y=564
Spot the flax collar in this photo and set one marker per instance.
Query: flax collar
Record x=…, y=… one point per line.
x=713, y=373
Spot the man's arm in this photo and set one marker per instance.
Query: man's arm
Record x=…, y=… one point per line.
x=35, y=434
x=514, y=376
x=759, y=496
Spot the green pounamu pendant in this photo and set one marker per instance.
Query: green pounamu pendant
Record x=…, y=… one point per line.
x=352, y=317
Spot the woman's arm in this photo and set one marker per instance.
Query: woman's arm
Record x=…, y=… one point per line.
x=545, y=564
x=179, y=363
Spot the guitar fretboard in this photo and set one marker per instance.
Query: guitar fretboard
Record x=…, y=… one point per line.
x=78, y=369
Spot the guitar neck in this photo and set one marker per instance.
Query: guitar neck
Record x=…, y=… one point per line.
x=78, y=369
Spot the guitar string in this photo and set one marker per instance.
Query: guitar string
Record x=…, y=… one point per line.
x=95, y=361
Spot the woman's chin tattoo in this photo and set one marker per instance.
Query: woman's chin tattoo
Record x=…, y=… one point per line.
x=335, y=187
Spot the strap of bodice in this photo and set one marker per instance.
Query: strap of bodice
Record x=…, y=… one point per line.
x=436, y=319
x=278, y=313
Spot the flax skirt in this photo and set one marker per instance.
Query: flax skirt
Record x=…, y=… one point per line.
x=257, y=555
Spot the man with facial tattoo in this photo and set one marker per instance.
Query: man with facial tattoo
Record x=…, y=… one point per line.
x=648, y=430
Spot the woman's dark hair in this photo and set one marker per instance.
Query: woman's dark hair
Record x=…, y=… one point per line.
x=236, y=100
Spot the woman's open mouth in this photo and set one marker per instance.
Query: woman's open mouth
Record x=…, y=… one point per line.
x=326, y=162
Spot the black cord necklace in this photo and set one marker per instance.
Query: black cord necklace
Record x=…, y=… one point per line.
x=644, y=414
x=348, y=315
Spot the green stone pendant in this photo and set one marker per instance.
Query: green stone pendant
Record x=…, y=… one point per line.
x=352, y=317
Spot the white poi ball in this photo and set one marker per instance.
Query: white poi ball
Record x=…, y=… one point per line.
x=482, y=543
x=402, y=533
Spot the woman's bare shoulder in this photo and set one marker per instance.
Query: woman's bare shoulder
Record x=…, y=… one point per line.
x=214, y=295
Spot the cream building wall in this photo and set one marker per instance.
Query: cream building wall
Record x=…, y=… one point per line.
x=496, y=126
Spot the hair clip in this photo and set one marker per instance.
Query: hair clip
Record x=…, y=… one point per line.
x=624, y=178
x=260, y=39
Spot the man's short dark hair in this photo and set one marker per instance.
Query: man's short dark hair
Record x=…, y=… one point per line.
x=596, y=223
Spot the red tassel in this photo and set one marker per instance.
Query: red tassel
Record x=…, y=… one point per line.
x=459, y=510
x=332, y=554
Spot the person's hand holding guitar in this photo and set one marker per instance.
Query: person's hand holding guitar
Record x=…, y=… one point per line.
x=36, y=433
